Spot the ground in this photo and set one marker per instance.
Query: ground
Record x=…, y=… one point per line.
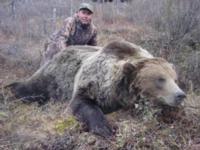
x=28, y=126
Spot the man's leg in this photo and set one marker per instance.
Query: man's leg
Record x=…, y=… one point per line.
x=50, y=50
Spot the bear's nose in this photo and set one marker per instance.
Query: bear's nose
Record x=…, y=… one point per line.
x=180, y=97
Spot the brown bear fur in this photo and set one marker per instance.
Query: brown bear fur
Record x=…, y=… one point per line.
x=98, y=80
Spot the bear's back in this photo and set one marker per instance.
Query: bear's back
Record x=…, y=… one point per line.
x=63, y=68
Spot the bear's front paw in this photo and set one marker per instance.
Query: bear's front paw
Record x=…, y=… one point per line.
x=103, y=130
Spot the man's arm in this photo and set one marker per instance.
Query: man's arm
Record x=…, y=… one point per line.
x=63, y=35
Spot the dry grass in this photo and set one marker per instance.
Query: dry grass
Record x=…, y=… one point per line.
x=29, y=126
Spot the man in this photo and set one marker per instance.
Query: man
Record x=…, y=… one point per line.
x=76, y=30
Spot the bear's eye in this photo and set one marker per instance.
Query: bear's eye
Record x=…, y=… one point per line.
x=160, y=82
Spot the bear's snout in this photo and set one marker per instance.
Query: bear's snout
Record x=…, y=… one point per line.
x=179, y=97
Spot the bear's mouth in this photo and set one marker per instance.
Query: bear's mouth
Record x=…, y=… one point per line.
x=174, y=104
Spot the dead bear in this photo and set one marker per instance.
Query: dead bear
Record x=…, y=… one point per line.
x=98, y=80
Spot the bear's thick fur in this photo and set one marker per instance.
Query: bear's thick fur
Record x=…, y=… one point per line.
x=98, y=80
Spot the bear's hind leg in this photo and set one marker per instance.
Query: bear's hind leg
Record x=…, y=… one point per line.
x=91, y=115
x=27, y=92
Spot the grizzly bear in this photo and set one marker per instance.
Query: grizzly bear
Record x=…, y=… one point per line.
x=100, y=80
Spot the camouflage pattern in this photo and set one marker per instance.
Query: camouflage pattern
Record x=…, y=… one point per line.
x=73, y=32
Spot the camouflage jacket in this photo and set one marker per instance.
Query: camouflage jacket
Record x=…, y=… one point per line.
x=74, y=33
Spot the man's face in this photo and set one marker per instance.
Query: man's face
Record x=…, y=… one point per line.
x=85, y=16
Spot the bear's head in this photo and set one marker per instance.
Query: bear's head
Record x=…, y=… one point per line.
x=156, y=80
x=147, y=76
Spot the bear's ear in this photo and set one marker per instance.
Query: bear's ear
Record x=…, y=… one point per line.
x=173, y=66
x=129, y=68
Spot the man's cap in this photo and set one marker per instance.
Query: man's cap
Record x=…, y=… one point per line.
x=86, y=6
